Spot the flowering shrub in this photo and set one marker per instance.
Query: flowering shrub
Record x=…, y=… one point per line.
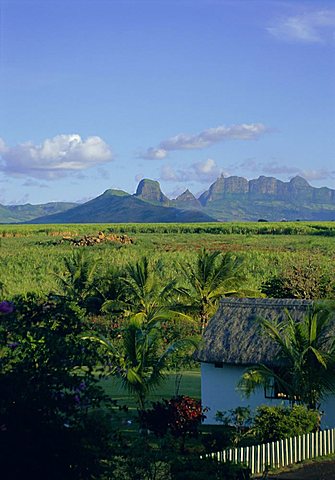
x=6, y=307
x=48, y=391
x=180, y=416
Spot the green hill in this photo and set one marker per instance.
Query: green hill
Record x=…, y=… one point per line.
x=112, y=207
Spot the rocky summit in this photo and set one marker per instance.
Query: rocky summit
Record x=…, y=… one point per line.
x=227, y=199
x=236, y=198
x=150, y=190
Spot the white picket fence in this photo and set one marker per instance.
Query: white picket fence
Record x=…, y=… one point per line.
x=282, y=452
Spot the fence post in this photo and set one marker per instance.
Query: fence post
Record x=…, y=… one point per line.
x=241, y=455
x=252, y=466
x=286, y=451
x=291, y=450
x=277, y=454
x=329, y=442
x=273, y=457
x=263, y=457
x=299, y=448
x=247, y=456
x=281, y=452
x=308, y=451
x=258, y=466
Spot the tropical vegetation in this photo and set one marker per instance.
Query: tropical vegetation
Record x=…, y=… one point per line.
x=76, y=318
x=304, y=370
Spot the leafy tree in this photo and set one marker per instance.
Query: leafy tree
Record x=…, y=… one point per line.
x=49, y=393
x=213, y=276
x=77, y=279
x=302, y=279
x=140, y=356
x=306, y=358
x=145, y=289
x=143, y=293
x=239, y=419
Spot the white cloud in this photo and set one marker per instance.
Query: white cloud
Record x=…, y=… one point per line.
x=320, y=174
x=55, y=157
x=34, y=183
x=3, y=147
x=276, y=168
x=310, y=27
x=206, y=138
x=202, y=172
x=154, y=154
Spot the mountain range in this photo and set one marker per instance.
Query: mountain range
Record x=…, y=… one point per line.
x=227, y=199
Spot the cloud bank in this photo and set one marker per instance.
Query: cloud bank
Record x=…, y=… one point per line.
x=276, y=168
x=206, y=138
x=54, y=158
x=310, y=27
x=202, y=172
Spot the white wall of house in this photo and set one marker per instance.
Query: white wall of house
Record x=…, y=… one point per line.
x=219, y=392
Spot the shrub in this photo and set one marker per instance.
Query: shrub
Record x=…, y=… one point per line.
x=239, y=420
x=274, y=423
x=48, y=393
x=195, y=468
x=301, y=280
x=180, y=416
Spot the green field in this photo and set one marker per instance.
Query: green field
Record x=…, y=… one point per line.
x=31, y=254
x=189, y=385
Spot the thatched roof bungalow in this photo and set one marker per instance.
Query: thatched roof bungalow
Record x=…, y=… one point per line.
x=232, y=341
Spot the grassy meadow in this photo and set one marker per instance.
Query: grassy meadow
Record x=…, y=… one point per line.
x=32, y=254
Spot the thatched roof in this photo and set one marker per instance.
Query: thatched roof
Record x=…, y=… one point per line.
x=233, y=335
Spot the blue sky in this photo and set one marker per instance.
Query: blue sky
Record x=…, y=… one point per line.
x=98, y=94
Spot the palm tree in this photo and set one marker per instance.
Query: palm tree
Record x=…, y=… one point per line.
x=77, y=280
x=145, y=289
x=213, y=276
x=140, y=358
x=144, y=293
x=306, y=358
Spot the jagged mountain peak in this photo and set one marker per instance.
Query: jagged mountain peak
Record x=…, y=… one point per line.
x=150, y=190
x=187, y=200
x=299, y=181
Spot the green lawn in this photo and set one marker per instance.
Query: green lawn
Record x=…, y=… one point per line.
x=126, y=420
x=190, y=385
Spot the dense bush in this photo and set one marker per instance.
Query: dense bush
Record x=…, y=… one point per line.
x=180, y=416
x=301, y=280
x=274, y=423
x=49, y=393
x=239, y=420
x=141, y=461
x=195, y=468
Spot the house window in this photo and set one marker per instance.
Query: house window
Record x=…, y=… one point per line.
x=274, y=391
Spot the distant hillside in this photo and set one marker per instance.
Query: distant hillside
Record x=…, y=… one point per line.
x=23, y=213
x=120, y=207
x=227, y=199
x=235, y=198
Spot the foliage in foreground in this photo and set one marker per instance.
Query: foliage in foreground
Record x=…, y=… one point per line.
x=273, y=423
x=305, y=370
x=180, y=416
x=141, y=461
x=267, y=424
x=49, y=394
